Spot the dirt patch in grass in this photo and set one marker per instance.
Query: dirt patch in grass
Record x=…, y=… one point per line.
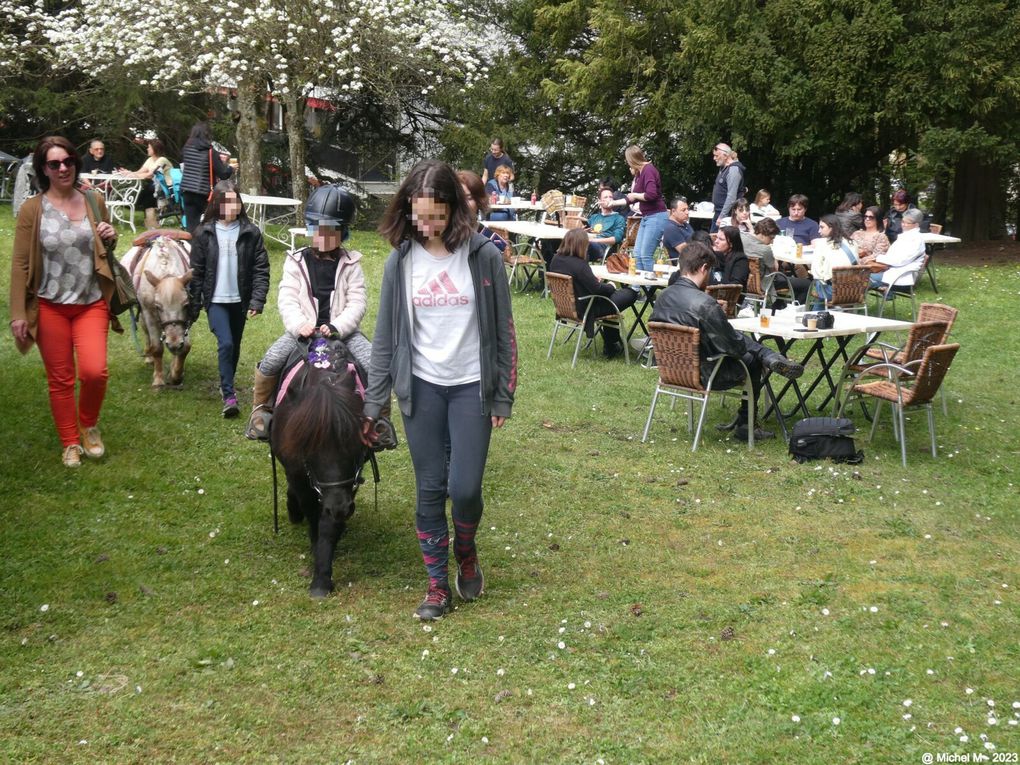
x=994, y=252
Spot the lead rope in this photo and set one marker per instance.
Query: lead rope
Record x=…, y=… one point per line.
x=276, y=511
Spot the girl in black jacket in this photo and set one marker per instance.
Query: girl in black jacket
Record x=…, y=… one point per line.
x=230, y=279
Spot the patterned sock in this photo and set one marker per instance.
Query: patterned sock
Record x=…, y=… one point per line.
x=464, y=539
x=435, y=551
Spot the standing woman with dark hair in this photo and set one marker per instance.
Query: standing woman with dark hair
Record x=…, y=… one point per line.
x=849, y=213
x=230, y=280
x=647, y=192
x=198, y=157
x=445, y=344
x=61, y=285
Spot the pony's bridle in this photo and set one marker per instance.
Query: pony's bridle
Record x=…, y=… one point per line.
x=354, y=481
x=185, y=325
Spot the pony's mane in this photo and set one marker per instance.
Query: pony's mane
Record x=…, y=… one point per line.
x=324, y=411
x=163, y=257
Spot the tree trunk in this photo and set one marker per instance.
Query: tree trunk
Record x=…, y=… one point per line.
x=940, y=205
x=250, y=94
x=979, y=199
x=295, y=103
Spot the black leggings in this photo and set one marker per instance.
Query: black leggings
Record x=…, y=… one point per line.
x=194, y=205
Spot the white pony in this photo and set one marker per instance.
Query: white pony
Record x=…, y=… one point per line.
x=160, y=266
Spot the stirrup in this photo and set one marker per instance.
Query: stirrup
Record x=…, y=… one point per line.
x=386, y=435
x=259, y=432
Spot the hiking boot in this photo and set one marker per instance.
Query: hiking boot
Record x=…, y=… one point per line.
x=435, y=605
x=92, y=443
x=760, y=434
x=386, y=435
x=788, y=368
x=469, y=581
x=72, y=456
x=230, y=408
x=612, y=350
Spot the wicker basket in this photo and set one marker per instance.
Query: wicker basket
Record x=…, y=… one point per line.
x=553, y=200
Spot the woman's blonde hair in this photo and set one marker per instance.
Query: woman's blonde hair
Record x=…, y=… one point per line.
x=635, y=156
x=760, y=196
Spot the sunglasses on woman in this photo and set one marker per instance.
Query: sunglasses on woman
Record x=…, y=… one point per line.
x=56, y=164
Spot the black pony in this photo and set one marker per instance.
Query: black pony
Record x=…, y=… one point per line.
x=316, y=437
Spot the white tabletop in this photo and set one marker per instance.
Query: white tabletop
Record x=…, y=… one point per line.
x=641, y=278
x=518, y=204
x=701, y=215
x=266, y=201
x=528, y=228
x=844, y=323
x=930, y=238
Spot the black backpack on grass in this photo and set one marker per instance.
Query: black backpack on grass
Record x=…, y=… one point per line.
x=816, y=438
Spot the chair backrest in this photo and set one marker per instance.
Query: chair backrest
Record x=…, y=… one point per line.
x=561, y=287
x=630, y=234
x=923, y=335
x=677, y=352
x=571, y=220
x=754, y=276
x=938, y=312
x=934, y=365
x=849, y=285
x=728, y=292
x=505, y=236
x=579, y=202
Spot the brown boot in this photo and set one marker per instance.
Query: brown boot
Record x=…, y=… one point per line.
x=151, y=220
x=262, y=408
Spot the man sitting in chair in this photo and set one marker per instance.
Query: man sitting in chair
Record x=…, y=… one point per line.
x=903, y=257
x=605, y=228
x=686, y=303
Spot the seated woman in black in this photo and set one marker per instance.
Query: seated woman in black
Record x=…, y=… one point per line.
x=731, y=262
x=572, y=260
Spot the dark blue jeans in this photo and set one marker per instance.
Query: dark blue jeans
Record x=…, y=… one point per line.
x=226, y=321
x=447, y=414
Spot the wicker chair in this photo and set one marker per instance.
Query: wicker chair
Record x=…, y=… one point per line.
x=849, y=288
x=922, y=335
x=753, y=292
x=908, y=386
x=678, y=355
x=925, y=312
x=730, y=293
x=561, y=287
x=571, y=220
x=525, y=265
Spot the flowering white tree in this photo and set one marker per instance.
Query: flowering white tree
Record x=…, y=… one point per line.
x=391, y=48
x=22, y=34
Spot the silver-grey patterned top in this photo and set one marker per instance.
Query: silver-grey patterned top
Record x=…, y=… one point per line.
x=69, y=274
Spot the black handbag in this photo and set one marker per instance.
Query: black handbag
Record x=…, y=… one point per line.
x=818, y=438
x=123, y=297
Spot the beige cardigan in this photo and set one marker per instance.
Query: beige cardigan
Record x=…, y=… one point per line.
x=27, y=266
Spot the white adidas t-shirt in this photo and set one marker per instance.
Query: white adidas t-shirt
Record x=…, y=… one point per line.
x=444, y=322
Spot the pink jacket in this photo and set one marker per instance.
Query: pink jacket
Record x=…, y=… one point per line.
x=298, y=306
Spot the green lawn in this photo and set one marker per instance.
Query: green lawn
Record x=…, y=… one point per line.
x=643, y=604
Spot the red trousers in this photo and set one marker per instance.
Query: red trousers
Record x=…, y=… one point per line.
x=67, y=332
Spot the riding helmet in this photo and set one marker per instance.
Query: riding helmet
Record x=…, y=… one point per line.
x=330, y=205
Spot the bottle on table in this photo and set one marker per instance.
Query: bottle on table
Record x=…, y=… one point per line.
x=534, y=197
x=631, y=265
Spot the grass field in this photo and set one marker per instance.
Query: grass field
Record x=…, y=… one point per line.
x=643, y=604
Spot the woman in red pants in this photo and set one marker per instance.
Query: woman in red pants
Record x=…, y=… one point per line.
x=61, y=285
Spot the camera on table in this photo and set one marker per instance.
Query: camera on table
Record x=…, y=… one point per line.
x=824, y=319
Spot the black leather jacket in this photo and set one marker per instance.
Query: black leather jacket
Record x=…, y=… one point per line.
x=684, y=303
